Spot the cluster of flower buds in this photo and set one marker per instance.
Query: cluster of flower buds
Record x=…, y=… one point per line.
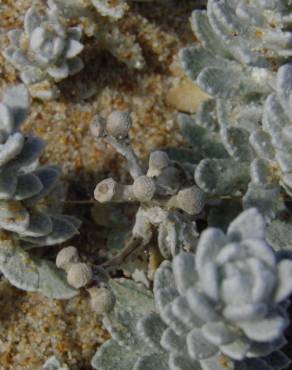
x=167, y=198
x=79, y=274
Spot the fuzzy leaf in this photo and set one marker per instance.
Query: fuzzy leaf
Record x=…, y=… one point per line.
x=222, y=176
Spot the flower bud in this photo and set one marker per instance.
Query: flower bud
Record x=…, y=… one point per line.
x=118, y=124
x=66, y=257
x=102, y=300
x=144, y=188
x=79, y=275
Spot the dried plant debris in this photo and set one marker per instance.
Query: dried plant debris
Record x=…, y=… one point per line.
x=45, y=52
x=27, y=219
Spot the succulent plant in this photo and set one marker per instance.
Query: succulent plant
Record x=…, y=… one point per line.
x=99, y=19
x=127, y=349
x=162, y=191
x=224, y=307
x=45, y=52
x=250, y=41
x=27, y=219
x=242, y=47
x=230, y=298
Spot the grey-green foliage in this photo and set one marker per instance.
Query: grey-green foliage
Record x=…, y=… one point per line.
x=272, y=141
x=224, y=307
x=229, y=298
x=100, y=19
x=127, y=350
x=27, y=219
x=45, y=51
x=242, y=46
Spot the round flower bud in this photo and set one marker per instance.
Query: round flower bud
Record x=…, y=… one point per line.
x=66, y=257
x=79, y=275
x=144, y=188
x=105, y=190
x=102, y=300
x=158, y=160
x=118, y=124
x=190, y=200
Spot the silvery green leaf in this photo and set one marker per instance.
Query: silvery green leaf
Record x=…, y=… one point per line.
x=274, y=120
x=284, y=84
x=194, y=59
x=27, y=186
x=267, y=329
x=182, y=155
x=210, y=244
x=175, y=323
x=182, y=311
x=74, y=48
x=261, y=143
x=11, y=148
x=18, y=100
x=284, y=161
x=185, y=274
x=62, y=230
x=53, y=282
x=279, y=233
x=6, y=118
x=32, y=75
x=202, y=29
x=31, y=20
x=220, y=82
x=172, y=342
x=248, y=225
x=284, y=288
x=48, y=177
x=268, y=201
x=31, y=150
x=8, y=183
x=150, y=362
x=113, y=356
x=262, y=174
x=19, y=268
x=149, y=328
x=205, y=143
x=237, y=349
x=201, y=306
x=236, y=142
x=180, y=362
x=164, y=276
x=206, y=115
x=198, y=347
x=218, y=333
x=59, y=72
x=39, y=225
x=222, y=176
